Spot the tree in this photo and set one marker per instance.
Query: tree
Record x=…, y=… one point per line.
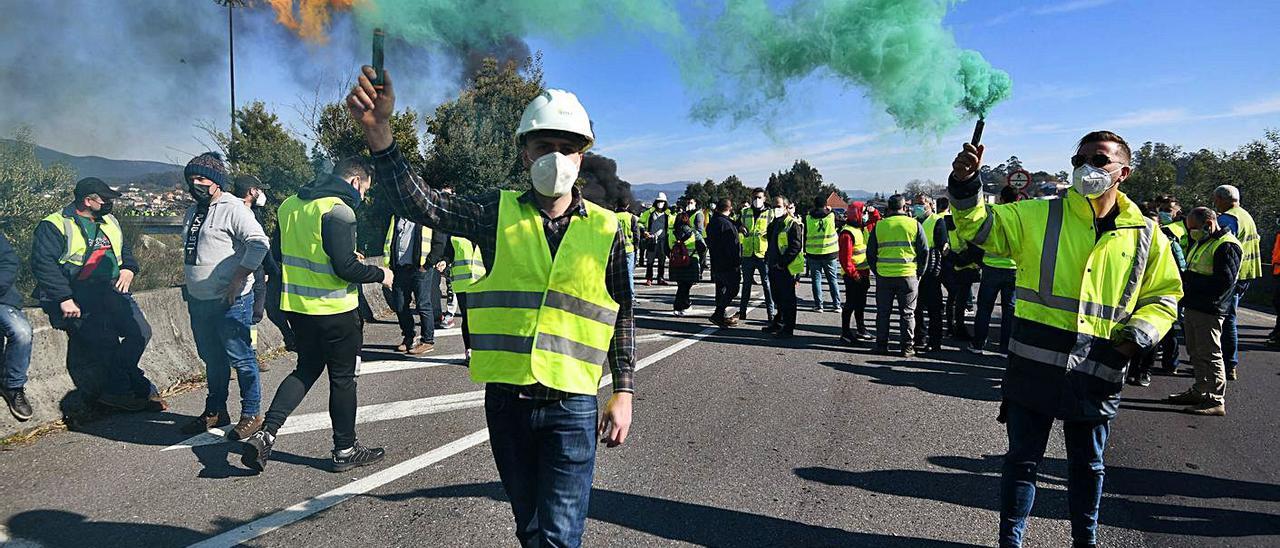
x=926, y=187
x=259, y=145
x=800, y=184
x=1155, y=171
x=28, y=193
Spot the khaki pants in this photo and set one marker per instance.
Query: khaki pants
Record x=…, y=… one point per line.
x=1204, y=345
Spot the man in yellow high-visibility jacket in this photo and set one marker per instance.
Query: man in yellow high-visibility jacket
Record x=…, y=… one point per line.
x=1096, y=285
x=552, y=310
x=897, y=250
x=1226, y=200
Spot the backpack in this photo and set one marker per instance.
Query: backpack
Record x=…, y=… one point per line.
x=680, y=257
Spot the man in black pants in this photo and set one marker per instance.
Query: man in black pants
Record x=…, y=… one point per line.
x=725, y=252
x=786, y=242
x=321, y=300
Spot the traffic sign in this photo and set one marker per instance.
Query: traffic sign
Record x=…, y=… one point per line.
x=1020, y=179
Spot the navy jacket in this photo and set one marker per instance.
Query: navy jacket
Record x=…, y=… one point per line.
x=53, y=281
x=9, y=274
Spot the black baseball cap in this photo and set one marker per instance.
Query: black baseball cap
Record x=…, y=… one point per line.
x=242, y=184
x=94, y=185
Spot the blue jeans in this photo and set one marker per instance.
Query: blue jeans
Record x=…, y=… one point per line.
x=820, y=269
x=1230, y=334
x=15, y=340
x=995, y=281
x=223, y=342
x=1028, y=436
x=750, y=266
x=423, y=290
x=545, y=452
x=631, y=273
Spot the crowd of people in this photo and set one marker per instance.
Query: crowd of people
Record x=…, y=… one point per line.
x=1090, y=284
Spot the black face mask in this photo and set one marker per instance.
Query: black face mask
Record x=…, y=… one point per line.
x=107, y=206
x=201, y=194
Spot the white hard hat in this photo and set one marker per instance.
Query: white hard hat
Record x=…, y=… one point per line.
x=556, y=109
x=662, y=197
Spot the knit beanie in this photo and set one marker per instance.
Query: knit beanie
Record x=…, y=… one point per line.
x=210, y=166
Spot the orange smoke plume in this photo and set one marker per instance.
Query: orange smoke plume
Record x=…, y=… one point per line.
x=308, y=18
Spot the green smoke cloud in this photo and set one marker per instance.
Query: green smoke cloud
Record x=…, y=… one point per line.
x=897, y=51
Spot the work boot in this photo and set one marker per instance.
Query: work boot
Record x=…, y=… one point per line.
x=356, y=456
x=731, y=322
x=405, y=345
x=422, y=348
x=1207, y=408
x=18, y=404
x=1190, y=397
x=245, y=428
x=123, y=402
x=154, y=402
x=257, y=449
x=206, y=421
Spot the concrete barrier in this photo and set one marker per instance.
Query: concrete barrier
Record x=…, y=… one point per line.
x=60, y=388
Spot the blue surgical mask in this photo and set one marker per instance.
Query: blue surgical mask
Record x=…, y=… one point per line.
x=1166, y=217
x=917, y=210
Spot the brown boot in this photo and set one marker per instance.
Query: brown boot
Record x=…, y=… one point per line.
x=206, y=421
x=405, y=344
x=245, y=428
x=1208, y=408
x=421, y=348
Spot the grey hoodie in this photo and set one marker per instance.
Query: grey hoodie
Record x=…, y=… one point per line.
x=231, y=238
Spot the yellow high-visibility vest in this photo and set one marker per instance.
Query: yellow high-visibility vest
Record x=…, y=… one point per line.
x=797, y=264
x=1200, y=256
x=424, y=245
x=896, y=246
x=1247, y=233
x=535, y=319
x=754, y=242
x=859, y=246
x=958, y=245
x=930, y=223
x=77, y=249
x=467, y=264
x=308, y=283
x=625, y=218
x=820, y=235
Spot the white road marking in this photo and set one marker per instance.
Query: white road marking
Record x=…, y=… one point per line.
x=304, y=509
x=414, y=362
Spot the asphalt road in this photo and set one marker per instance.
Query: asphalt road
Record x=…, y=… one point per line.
x=738, y=440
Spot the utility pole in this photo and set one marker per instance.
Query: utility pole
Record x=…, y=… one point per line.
x=231, y=50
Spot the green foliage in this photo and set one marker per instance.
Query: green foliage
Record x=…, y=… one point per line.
x=260, y=145
x=28, y=193
x=800, y=184
x=709, y=192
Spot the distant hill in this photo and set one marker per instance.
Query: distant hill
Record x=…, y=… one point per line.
x=146, y=174
x=647, y=192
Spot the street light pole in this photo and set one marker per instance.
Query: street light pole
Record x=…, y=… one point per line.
x=231, y=51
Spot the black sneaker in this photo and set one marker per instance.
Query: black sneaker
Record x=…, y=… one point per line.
x=770, y=328
x=356, y=456
x=257, y=449
x=18, y=404
x=1144, y=379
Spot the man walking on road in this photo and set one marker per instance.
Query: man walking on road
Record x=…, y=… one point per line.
x=726, y=261
x=753, y=226
x=15, y=335
x=321, y=276
x=224, y=246
x=821, y=248
x=554, y=308
x=1213, y=266
x=897, y=251
x=83, y=269
x=1226, y=200
x=1096, y=285
x=785, y=258
x=408, y=251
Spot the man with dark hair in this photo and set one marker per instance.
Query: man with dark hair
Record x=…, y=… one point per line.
x=725, y=251
x=320, y=296
x=753, y=226
x=897, y=250
x=84, y=269
x=266, y=280
x=1096, y=285
x=785, y=258
x=821, y=247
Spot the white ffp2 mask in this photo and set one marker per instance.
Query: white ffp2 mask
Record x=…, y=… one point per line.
x=553, y=175
x=1090, y=181
x=261, y=200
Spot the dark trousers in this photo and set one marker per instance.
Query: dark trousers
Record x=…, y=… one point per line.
x=783, y=284
x=1028, y=436
x=1275, y=303
x=727, y=284
x=1001, y=282
x=959, y=293
x=682, y=295
x=331, y=342
x=931, y=316
x=658, y=251
x=411, y=293
x=466, y=326
x=112, y=330
x=277, y=316
x=545, y=452
x=855, y=302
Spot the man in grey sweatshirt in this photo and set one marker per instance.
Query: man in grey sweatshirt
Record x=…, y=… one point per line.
x=223, y=246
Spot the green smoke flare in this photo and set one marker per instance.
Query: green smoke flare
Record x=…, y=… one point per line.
x=896, y=50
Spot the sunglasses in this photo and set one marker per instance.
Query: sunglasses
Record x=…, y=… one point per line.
x=1096, y=160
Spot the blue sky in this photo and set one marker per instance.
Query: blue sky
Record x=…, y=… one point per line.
x=1197, y=74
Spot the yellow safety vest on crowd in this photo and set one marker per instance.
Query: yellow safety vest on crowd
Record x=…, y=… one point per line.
x=1200, y=256
x=958, y=245
x=691, y=243
x=77, y=248
x=1247, y=233
x=308, y=284
x=896, y=246
x=467, y=265
x=1124, y=278
x=754, y=242
x=930, y=223
x=424, y=247
x=859, y=246
x=797, y=264
x=535, y=319
x=1179, y=230
x=625, y=219
x=648, y=213
x=820, y=235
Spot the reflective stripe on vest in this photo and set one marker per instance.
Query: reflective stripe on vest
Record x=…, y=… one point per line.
x=538, y=319
x=797, y=264
x=308, y=282
x=467, y=266
x=625, y=219
x=859, y=246
x=1200, y=257
x=958, y=245
x=76, y=249
x=820, y=235
x=424, y=247
x=754, y=242
x=1247, y=233
x=996, y=261
x=895, y=246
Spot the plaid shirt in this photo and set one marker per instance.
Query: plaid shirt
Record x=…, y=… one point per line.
x=477, y=220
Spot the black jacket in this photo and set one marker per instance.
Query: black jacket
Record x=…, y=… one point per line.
x=1212, y=294
x=53, y=281
x=780, y=258
x=9, y=265
x=723, y=244
x=338, y=229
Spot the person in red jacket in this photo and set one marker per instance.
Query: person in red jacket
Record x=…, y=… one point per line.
x=1274, y=340
x=856, y=271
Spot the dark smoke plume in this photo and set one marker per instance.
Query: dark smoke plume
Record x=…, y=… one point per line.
x=603, y=186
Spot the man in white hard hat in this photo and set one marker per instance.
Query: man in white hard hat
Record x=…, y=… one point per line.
x=654, y=223
x=554, y=307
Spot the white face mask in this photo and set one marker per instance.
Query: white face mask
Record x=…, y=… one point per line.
x=261, y=200
x=758, y=203
x=1090, y=181
x=553, y=175
x=691, y=207
x=779, y=212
